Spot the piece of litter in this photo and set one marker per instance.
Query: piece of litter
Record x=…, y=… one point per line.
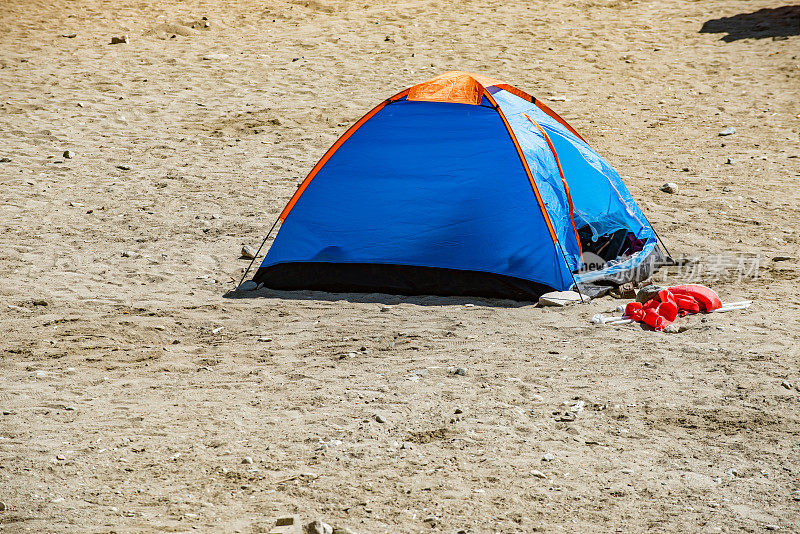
x=560, y=298
x=577, y=407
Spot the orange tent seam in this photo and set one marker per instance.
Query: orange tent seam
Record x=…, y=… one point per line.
x=527, y=168
x=332, y=150
x=563, y=181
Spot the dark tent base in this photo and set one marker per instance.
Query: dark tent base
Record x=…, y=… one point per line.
x=396, y=280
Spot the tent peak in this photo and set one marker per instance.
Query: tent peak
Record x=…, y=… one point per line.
x=459, y=87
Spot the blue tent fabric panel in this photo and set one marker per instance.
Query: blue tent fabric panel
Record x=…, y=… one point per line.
x=425, y=184
x=600, y=197
x=544, y=169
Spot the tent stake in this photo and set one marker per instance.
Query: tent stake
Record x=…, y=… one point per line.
x=258, y=251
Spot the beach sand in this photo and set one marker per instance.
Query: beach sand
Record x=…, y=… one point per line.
x=132, y=389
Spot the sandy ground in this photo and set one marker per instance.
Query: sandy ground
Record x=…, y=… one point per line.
x=132, y=389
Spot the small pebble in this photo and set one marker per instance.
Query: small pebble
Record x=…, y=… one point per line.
x=120, y=40
x=124, y=167
x=379, y=418
x=68, y=154
x=647, y=292
x=730, y=161
x=786, y=384
x=247, y=460
x=670, y=187
x=564, y=417
x=4, y=507
x=5, y=160
x=318, y=527
x=460, y=371
x=287, y=520
x=730, y=130
x=248, y=285
x=548, y=457
x=248, y=252
x=538, y=474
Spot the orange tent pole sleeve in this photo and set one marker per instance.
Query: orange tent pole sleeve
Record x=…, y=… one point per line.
x=339, y=142
x=525, y=96
x=563, y=181
x=556, y=116
x=526, y=167
x=514, y=91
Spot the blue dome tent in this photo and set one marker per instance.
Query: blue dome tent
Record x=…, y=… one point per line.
x=461, y=185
